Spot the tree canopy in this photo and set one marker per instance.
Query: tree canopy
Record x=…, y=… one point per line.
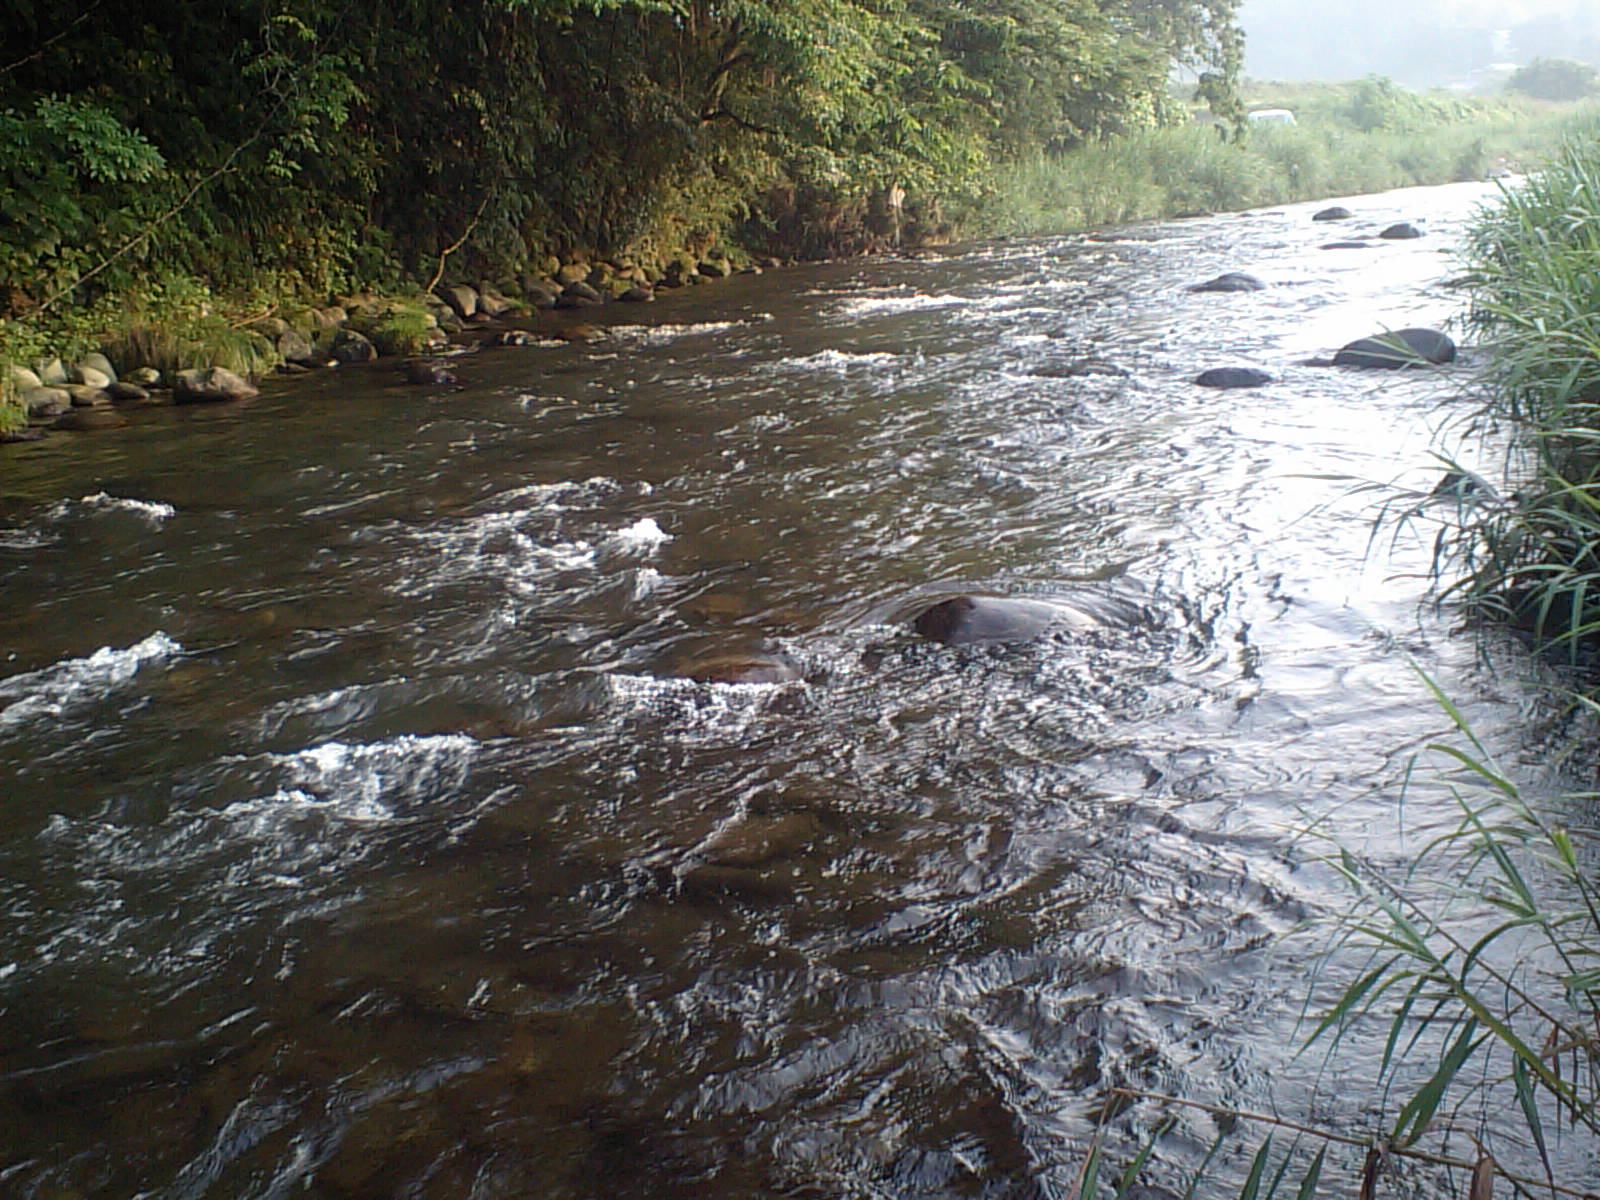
x=328, y=142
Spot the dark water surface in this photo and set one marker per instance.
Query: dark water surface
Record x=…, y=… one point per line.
x=362, y=837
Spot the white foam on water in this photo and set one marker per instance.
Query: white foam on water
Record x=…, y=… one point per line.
x=360, y=783
x=643, y=536
x=74, y=681
x=838, y=361
x=867, y=305
x=153, y=511
x=660, y=335
x=645, y=581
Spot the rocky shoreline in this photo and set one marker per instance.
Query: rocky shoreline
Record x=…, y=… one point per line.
x=92, y=392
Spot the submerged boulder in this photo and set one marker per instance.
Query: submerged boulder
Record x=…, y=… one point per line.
x=735, y=667
x=429, y=372
x=1347, y=246
x=1401, y=230
x=1401, y=348
x=1233, y=377
x=1232, y=281
x=962, y=620
x=1335, y=213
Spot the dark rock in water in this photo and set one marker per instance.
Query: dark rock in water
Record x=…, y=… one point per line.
x=348, y=346
x=579, y=294
x=637, y=295
x=582, y=333
x=1401, y=230
x=1336, y=213
x=11, y=436
x=429, y=372
x=965, y=619
x=1347, y=246
x=1192, y=214
x=1233, y=377
x=42, y=402
x=1078, y=368
x=86, y=420
x=513, y=337
x=206, y=385
x=1402, y=348
x=87, y=396
x=739, y=668
x=1233, y=281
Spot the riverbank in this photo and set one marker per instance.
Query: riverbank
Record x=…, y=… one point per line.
x=154, y=333
x=1170, y=172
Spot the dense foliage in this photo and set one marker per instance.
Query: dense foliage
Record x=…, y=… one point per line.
x=1556, y=79
x=313, y=144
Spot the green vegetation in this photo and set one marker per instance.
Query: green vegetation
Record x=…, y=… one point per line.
x=1349, y=138
x=255, y=153
x=1534, y=555
x=1556, y=79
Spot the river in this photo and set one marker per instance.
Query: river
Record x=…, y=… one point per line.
x=362, y=835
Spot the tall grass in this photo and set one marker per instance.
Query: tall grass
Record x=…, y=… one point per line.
x=1534, y=271
x=1164, y=172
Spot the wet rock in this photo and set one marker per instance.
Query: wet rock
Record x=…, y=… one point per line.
x=582, y=333
x=144, y=377
x=1400, y=231
x=514, y=337
x=87, y=420
x=42, y=402
x=86, y=395
x=1401, y=348
x=210, y=385
x=463, y=301
x=962, y=620
x=95, y=361
x=539, y=293
x=296, y=347
x=1347, y=246
x=23, y=379
x=1233, y=377
x=579, y=294
x=1233, y=281
x=756, y=841
x=1078, y=368
x=348, y=346
x=714, y=269
x=129, y=393
x=429, y=372
x=1335, y=213
x=637, y=295
x=51, y=372
x=739, y=668
x=13, y=436
x=491, y=302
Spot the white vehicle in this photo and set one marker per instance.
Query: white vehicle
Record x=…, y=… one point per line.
x=1271, y=116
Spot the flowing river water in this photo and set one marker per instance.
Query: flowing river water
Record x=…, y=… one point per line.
x=362, y=834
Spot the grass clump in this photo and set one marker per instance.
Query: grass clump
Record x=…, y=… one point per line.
x=1535, y=286
x=401, y=327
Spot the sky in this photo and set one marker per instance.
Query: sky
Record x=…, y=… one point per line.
x=1419, y=42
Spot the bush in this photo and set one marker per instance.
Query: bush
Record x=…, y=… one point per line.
x=1556, y=79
